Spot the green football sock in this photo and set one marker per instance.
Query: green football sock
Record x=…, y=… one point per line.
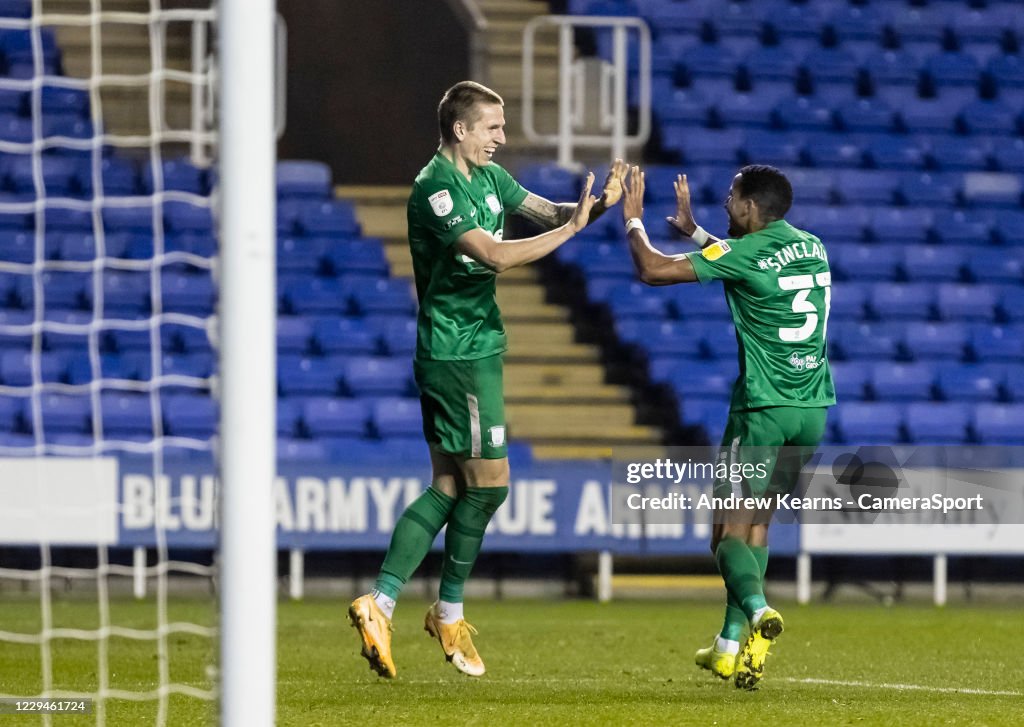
x=465, y=535
x=411, y=539
x=735, y=619
x=742, y=574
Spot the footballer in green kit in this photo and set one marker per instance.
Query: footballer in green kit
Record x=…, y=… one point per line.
x=779, y=289
x=456, y=214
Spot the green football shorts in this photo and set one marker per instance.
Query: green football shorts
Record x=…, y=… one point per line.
x=766, y=449
x=463, y=406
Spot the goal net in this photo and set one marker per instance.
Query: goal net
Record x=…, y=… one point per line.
x=108, y=362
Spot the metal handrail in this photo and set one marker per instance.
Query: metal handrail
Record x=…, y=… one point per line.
x=565, y=138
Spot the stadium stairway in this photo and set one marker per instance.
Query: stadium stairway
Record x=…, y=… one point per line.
x=126, y=49
x=556, y=395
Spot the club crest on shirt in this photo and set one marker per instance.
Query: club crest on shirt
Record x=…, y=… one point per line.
x=716, y=250
x=441, y=202
x=497, y=436
x=493, y=203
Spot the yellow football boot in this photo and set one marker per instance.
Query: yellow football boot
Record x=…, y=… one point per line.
x=750, y=664
x=375, y=631
x=720, y=663
x=456, y=641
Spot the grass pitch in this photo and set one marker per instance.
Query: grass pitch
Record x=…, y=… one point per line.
x=565, y=662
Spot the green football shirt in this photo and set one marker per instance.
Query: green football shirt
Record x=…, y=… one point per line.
x=779, y=288
x=458, y=317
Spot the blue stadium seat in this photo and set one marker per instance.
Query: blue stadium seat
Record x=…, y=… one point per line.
x=683, y=107
x=190, y=415
x=1013, y=383
x=1009, y=226
x=989, y=117
x=850, y=379
x=895, y=152
x=856, y=341
x=938, y=423
x=550, y=181
x=709, y=62
x=377, y=376
x=796, y=23
x=805, y=113
x=333, y=417
x=16, y=367
x=699, y=378
x=17, y=247
x=126, y=414
x=12, y=409
x=772, y=147
x=902, y=300
x=970, y=382
x=771, y=63
x=662, y=338
x=703, y=146
x=833, y=71
x=953, y=153
x=934, y=262
x=189, y=294
x=294, y=334
x=302, y=451
x=811, y=186
x=747, y=109
x=198, y=365
x=57, y=174
x=184, y=338
x=925, y=115
x=710, y=413
x=69, y=290
x=960, y=227
x=329, y=218
x=866, y=115
x=184, y=217
x=698, y=302
x=893, y=73
x=128, y=219
x=609, y=259
x=993, y=189
x=365, y=255
x=863, y=261
x=391, y=296
x=335, y=335
x=315, y=296
x=848, y=300
x=1007, y=70
x=961, y=302
x=634, y=300
x=1011, y=303
x=904, y=225
x=119, y=177
x=868, y=422
x=833, y=150
x=399, y=336
x=14, y=128
x=307, y=376
x=999, y=423
x=833, y=224
x=141, y=246
x=936, y=341
x=66, y=412
x=900, y=381
x=303, y=178
x=927, y=189
x=289, y=417
x=863, y=186
x=126, y=294
x=176, y=174
x=998, y=343
x=950, y=68
x=300, y=255
x=397, y=417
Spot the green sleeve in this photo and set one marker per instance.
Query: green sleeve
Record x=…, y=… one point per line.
x=510, y=192
x=444, y=210
x=720, y=261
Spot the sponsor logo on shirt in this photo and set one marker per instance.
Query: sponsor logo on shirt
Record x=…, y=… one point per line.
x=496, y=435
x=452, y=222
x=441, y=202
x=716, y=250
x=493, y=203
x=804, y=363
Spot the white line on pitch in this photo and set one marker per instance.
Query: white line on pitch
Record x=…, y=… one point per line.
x=900, y=687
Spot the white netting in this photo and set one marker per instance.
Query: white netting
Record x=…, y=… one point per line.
x=107, y=266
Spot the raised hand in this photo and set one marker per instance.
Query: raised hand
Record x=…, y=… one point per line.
x=612, y=191
x=581, y=215
x=633, y=202
x=683, y=221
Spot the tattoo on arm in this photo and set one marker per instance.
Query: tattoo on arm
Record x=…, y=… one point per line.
x=543, y=212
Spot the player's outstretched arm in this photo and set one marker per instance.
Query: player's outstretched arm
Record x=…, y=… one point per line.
x=683, y=221
x=502, y=256
x=653, y=266
x=547, y=214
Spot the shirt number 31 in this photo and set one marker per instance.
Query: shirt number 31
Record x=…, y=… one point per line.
x=803, y=285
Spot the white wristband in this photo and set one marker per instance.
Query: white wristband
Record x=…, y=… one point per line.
x=700, y=236
x=635, y=223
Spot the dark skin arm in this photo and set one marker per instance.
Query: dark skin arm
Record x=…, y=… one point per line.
x=653, y=266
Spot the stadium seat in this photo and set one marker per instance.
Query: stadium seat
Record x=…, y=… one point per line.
x=12, y=409
x=833, y=224
x=951, y=68
x=850, y=379
x=902, y=300
x=177, y=174
x=307, y=376
x=662, y=338
x=384, y=296
x=198, y=365
x=957, y=153
x=993, y=189
x=1011, y=303
x=1007, y=71
x=937, y=423
x=925, y=115
x=333, y=417
x=377, y=376
x=289, y=418
x=330, y=218
x=989, y=117
x=336, y=335
x=856, y=341
x=961, y=227
x=126, y=414
x=893, y=74
x=901, y=381
x=922, y=263
x=303, y=178
x=635, y=300
x=302, y=451
x=771, y=63
x=550, y=180
x=187, y=218
x=189, y=294
x=999, y=423
x=699, y=378
x=17, y=247
x=698, y=302
x=1013, y=383
x=833, y=150
x=315, y=296
x=746, y=109
x=970, y=382
x=811, y=186
x=399, y=336
x=703, y=146
x=190, y=415
x=771, y=147
x=397, y=417
x=365, y=255
x=936, y=341
x=848, y=299
x=869, y=422
x=903, y=225
x=16, y=367
x=300, y=256
x=998, y=343
x=708, y=62
x=805, y=113
x=294, y=335
x=861, y=186
x=865, y=115
x=128, y=219
x=1009, y=226
x=963, y=302
x=710, y=413
x=66, y=412
x=927, y=189
x=863, y=261
x=57, y=174
x=682, y=107
x=894, y=152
